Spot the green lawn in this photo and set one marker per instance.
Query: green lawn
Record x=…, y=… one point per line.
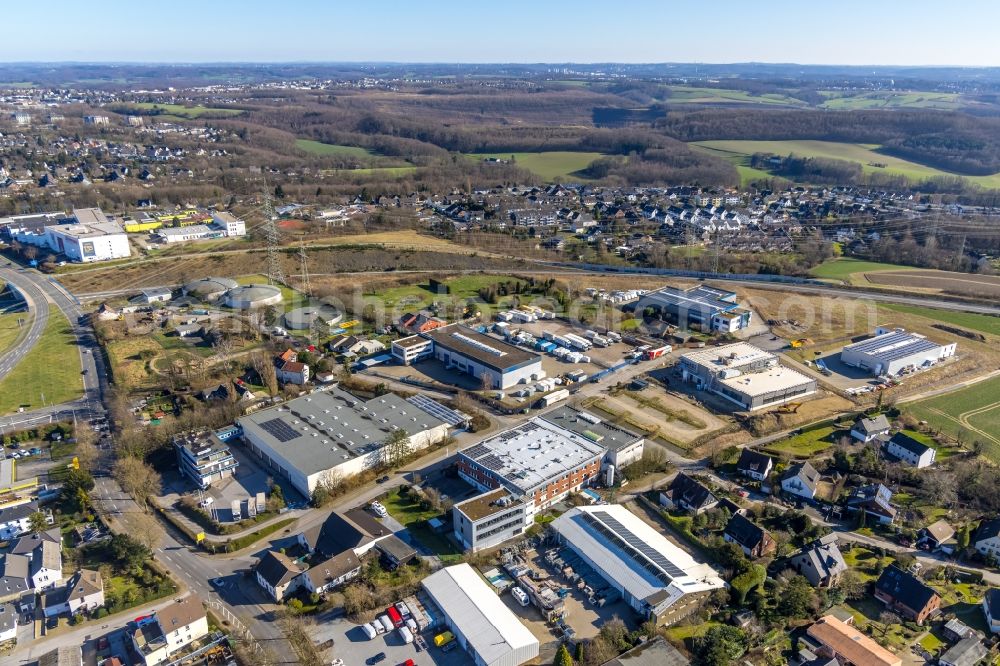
x=806, y=444
x=842, y=268
x=890, y=100
x=696, y=95
x=413, y=516
x=863, y=154
x=50, y=370
x=320, y=148
x=181, y=111
x=969, y=320
x=972, y=413
x=10, y=329
x=64, y=448
x=552, y=165
x=459, y=288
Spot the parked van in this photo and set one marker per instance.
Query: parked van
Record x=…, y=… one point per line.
x=369, y=631
x=405, y=634
x=386, y=622
x=403, y=609
x=444, y=638
x=520, y=595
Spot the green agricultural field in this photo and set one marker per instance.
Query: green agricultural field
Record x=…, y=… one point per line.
x=51, y=369
x=863, y=154
x=179, y=110
x=842, y=268
x=11, y=330
x=320, y=148
x=972, y=414
x=551, y=165
x=890, y=100
x=974, y=322
x=695, y=95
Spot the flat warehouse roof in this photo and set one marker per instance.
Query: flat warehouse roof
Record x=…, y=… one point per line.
x=484, y=349
x=892, y=346
x=702, y=299
x=593, y=428
x=628, y=550
x=324, y=429
x=768, y=381
x=490, y=628
x=533, y=454
x=735, y=355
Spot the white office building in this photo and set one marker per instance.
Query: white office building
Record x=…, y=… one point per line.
x=90, y=236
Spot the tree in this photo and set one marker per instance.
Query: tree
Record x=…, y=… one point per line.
x=138, y=479
x=963, y=538
x=396, y=448
x=888, y=618
x=563, y=657
x=264, y=367
x=37, y=522
x=146, y=530
x=127, y=552
x=797, y=599
x=852, y=584
x=754, y=575
x=721, y=645
x=76, y=489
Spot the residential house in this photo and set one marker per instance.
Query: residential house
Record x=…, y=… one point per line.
x=955, y=630
x=842, y=640
x=754, y=464
x=293, y=372
x=907, y=595
x=68, y=655
x=986, y=540
x=278, y=574
x=875, y=500
x=356, y=346
x=419, y=323
x=800, y=480
x=937, y=535
x=655, y=652
x=8, y=623
x=43, y=553
x=910, y=451
x=330, y=573
x=394, y=552
x=13, y=577
x=753, y=539
x=991, y=609
x=821, y=562
x=83, y=592
x=158, y=637
x=337, y=534
x=867, y=429
x=16, y=520
x=687, y=494
x=967, y=652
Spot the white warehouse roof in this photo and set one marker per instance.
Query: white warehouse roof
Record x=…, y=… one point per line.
x=490, y=628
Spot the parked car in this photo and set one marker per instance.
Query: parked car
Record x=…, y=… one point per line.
x=376, y=659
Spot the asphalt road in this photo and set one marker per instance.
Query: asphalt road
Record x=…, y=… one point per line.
x=38, y=306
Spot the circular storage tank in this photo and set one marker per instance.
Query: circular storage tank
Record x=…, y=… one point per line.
x=209, y=288
x=302, y=319
x=253, y=296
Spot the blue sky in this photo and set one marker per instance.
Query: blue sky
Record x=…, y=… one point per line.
x=914, y=32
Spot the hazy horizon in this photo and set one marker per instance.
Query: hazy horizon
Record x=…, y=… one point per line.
x=851, y=33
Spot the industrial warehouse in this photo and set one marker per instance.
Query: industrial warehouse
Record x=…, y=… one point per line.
x=745, y=375
x=481, y=622
x=330, y=435
x=893, y=351
x=657, y=579
x=497, y=364
x=708, y=308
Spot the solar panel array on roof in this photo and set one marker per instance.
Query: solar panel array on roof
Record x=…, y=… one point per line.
x=280, y=430
x=623, y=535
x=436, y=409
x=892, y=346
x=477, y=451
x=491, y=462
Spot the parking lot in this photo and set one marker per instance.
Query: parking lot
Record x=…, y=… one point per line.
x=352, y=645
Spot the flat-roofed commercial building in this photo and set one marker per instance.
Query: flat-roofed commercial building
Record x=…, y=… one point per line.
x=894, y=351
x=538, y=462
x=330, y=435
x=489, y=519
x=657, y=579
x=708, y=308
x=497, y=364
x=88, y=236
x=483, y=625
x=745, y=375
x=623, y=447
x=204, y=458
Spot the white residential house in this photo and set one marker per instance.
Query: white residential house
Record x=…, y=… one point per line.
x=866, y=429
x=156, y=638
x=330, y=573
x=986, y=540
x=46, y=566
x=293, y=372
x=83, y=592
x=16, y=520
x=278, y=574
x=910, y=451
x=800, y=480
x=754, y=464
x=8, y=622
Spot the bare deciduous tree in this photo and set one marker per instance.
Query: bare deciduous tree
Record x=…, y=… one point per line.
x=138, y=479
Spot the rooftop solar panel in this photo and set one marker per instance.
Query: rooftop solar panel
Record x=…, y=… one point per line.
x=280, y=430
x=653, y=555
x=491, y=462
x=477, y=451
